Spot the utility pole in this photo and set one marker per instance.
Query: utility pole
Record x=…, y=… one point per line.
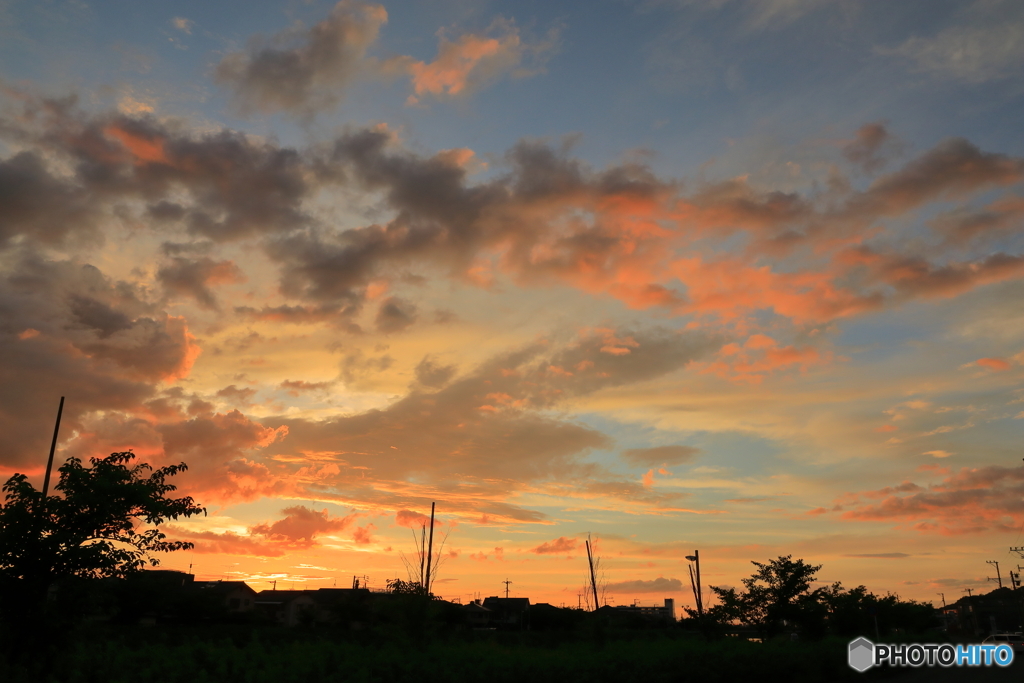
x=943, y=596
x=999, y=577
x=507, y=584
x=970, y=607
x=53, y=447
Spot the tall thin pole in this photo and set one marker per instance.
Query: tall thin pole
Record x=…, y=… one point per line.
x=593, y=579
x=693, y=586
x=423, y=554
x=430, y=548
x=970, y=608
x=999, y=577
x=700, y=594
x=53, y=447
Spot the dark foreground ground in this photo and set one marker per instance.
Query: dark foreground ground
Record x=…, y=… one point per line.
x=1014, y=672
x=237, y=654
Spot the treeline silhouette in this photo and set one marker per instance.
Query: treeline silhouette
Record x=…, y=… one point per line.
x=76, y=605
x=778, y=598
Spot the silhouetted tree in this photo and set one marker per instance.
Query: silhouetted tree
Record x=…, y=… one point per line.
x=777, y=595
x=102, y=523
x=399, y=587
x=857, y=611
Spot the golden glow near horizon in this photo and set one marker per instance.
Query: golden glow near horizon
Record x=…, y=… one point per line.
x=671, y=298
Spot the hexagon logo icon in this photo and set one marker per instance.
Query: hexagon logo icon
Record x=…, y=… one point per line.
x=862, y=654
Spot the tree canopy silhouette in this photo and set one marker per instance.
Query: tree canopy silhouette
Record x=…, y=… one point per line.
x=103, y=523
x=777, y=594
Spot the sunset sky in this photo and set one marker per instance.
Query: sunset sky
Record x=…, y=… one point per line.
x=742, y=276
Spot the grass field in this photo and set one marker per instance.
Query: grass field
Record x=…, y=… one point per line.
x=238, y=654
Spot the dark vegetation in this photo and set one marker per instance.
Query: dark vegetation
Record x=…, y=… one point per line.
x=75, y=606
x=229, y=654
x=778, y=599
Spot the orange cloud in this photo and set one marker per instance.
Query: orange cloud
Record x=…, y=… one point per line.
x=557, y=546
x=413, y=520
x=648, y=479
x=448, y=73
x=144, y=149
x=972, y=500
x=996, y=364
x=761, y=356
x=361, y=535
x=301, y=525
x=469, y=61
x=227, y=543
